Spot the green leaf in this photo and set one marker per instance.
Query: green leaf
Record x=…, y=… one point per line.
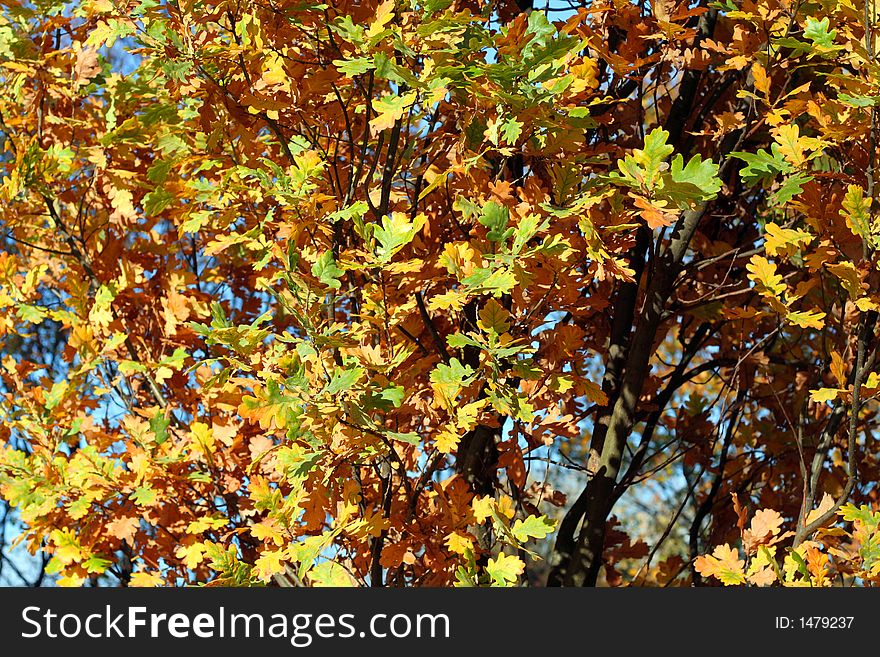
x=870, y=552
x=642, y=168
x=396, y=232
x=158, y=171
x=296, y=461
x=448, y=380
x=127, y=367
x=432, y=6
x=143, y=495
x=817, y=31
x=56, y=394
x=348, y=30
x=170, y=143
x=495, y=216
x=409, y=437
x=96, y=564
x=156, y=201
x=176, y=359
x=326, y=271
x=526, y=229
x=856, y=212
x=696, y=181
x=857, y=101
x=394, y=394
x=863, y=514
x=494, y=318
x=31, y=314
x=539, y=26
x=79, y=508
x=388, y=69
x=330, y=574
x=799, y=47
x=511, y=129
x=344, y=380
x=195, y=221
x=501, y=281
x=159, y=426
x=801, y=564
x=390, y=108
x=459, y=340
x=792, y=186
x=762, y=165
x=107, y=31
x=354, y=211
x=505, y=569
x=532, y=527
x=384, y=400
x=353, y=67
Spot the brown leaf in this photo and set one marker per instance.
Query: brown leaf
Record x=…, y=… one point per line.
x=763, y=530
x=826, y=503
x=86, y=67
x=124, y=528
x=742, y=514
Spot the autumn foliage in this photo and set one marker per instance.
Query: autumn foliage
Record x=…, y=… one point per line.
x=441, y=292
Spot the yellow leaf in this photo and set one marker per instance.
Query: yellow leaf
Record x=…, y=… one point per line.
x=762, y=82
x=585, y=76
x=384, y=14
x=447, y=441
x=33, y=278
x=459, y=543
x=560, y=384
x=785, y=241
x=390, y=109
x=505, y=507
x=273, y=74
x=763, y=274
x=761, y=570
x=67, y=547
x=460, y=259
x=807, y=319
x=865, y=304
x=838, y=368
x=452, y=300
x=849, y=278
x=203, y=437
x=103, y=33
x=269, y=564
x=192, y=555
x=825, y=394
x=856, y=211
x=483, y=507
x=788, y=138
x=724, y=564
x=70, y=581
x=268, y=529
x=331, y=574
x=466, y=416
x=146, y=580
x=504, y=569
x=163, y=374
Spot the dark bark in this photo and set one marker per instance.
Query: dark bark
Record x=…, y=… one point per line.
x=577, y=563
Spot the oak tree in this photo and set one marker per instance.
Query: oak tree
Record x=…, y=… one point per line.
x=441, y=292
